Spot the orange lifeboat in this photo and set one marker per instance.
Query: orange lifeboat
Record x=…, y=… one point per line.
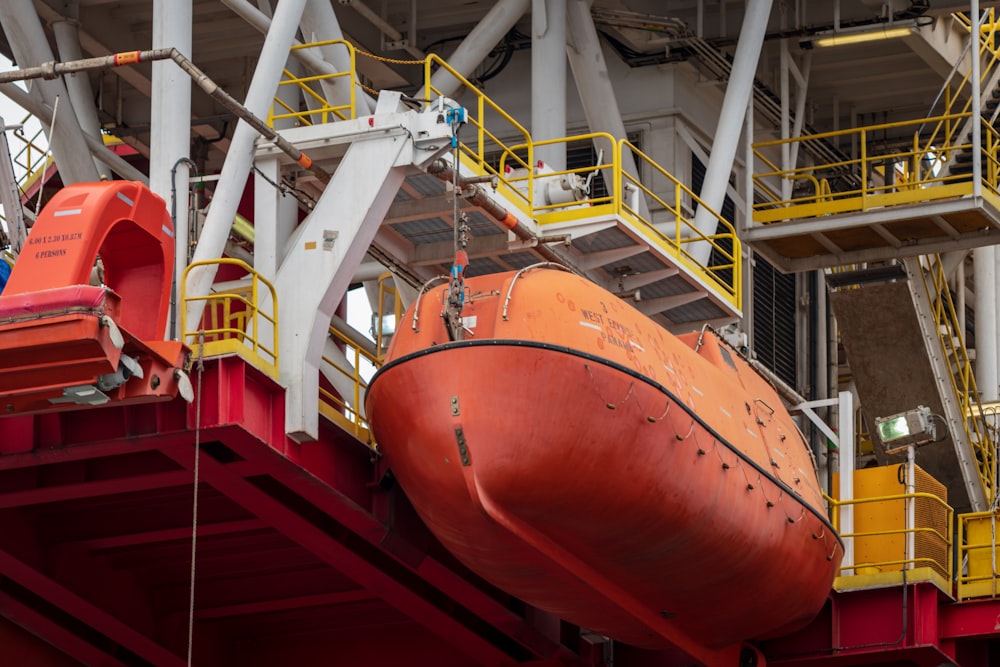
x=575, y=454
x=71, y=338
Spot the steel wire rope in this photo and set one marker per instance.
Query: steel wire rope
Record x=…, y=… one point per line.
x=200, y=367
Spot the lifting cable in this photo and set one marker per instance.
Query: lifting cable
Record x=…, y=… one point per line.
x=452, y=314
x=200, y=367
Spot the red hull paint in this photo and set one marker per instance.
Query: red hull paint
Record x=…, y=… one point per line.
x=544, y=453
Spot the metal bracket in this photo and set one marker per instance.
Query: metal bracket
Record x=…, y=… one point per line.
x=463, y=450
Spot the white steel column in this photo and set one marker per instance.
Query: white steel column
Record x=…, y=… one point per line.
x=319, y=22
x=170, y=113
x=984, y=265
x=845, y=427
x=593, y=83
x=31, y=48
x=10, y=197
x=991, y=393
x=976, y=102
x=727, y=133
x=785, y=93
x=170, y=128
x=77, y=84
x=236, y=168
x=590, y=73
x=478, y=43
x=548, y=79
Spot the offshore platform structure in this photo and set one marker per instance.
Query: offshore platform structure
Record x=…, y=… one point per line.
x=190, y=465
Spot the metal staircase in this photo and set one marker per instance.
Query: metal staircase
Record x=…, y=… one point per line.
x=904, y=334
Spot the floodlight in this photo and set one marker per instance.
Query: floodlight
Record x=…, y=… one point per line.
x=911, y=428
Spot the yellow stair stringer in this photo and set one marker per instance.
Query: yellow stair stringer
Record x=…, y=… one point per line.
x=974, y=446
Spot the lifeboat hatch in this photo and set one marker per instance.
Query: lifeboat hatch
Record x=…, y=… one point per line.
x=84, y=312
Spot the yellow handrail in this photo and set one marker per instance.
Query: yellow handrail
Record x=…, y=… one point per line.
x=877, y=177
x=483, y=111
x=979, y=576
x=325, y=111
x=726, y=274
x=234, y=319
x=516, y=179
x=941, y=539
x=348, y=414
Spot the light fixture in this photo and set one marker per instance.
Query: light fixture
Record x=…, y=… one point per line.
x=868, y=34
x=911, y=428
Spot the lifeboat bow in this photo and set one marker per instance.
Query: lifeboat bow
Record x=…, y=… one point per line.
x=572, y=452
x=84, y=313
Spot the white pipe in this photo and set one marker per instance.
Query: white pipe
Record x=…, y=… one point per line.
x=31, y=48
x=786, y=132
x=911, y=502
x=748, y=189
x=170, y=127
x=984, y=266
x=802, y=79
x=593, y=83
x=170, y=102
x=820, y=347
x=548, y=79
x=845, y=429
x=10, y=197
x=34, y=105
x=262, y=22
x=727, y=133
x=240, y=156
x=976, y=104
x=319, y=23
x=478, y=43
x=994, y=393
x=77, y=84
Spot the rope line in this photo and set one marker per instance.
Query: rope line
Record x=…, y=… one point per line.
x=200, y=367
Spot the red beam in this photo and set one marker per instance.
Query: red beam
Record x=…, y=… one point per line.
x=87, y=612
x=971, y=619
x=284, y=604
x=167, y=534
x=131, y=483
x=318, y=486
x=51, y=632
x=335, y=554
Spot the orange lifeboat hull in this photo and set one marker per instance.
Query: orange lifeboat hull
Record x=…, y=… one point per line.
x=575, y=454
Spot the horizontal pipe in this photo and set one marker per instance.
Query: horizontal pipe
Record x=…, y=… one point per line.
x=52, y=70
x=477, y=195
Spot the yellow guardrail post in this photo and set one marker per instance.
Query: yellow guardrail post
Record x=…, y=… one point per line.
x=325, y=110
x=223, y=337
x=942, y=563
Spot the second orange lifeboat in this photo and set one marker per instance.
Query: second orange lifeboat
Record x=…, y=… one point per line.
x=575, y=454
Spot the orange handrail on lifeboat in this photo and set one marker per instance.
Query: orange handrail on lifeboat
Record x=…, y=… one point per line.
x=66, y=341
